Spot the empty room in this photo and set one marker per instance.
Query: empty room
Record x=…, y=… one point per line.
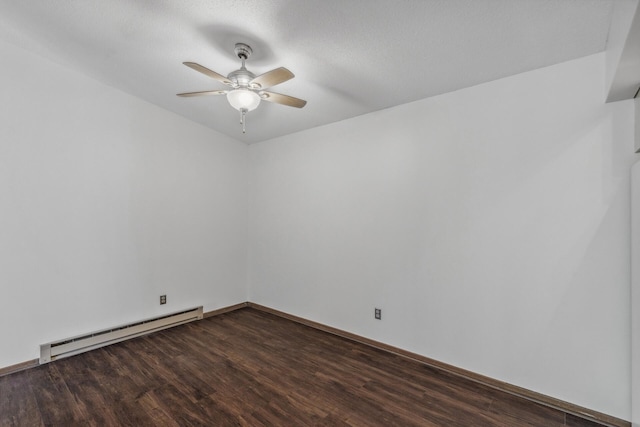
x=338, y=213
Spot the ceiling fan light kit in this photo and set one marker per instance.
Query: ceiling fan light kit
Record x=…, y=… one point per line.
x=243, y=99
x=247, y=90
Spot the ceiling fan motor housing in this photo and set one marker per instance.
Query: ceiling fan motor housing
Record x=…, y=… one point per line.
x=241, y=77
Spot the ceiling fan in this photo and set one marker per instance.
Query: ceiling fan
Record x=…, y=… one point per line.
x=247, y=90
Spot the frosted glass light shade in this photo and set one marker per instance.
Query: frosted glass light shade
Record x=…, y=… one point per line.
x=243, y=99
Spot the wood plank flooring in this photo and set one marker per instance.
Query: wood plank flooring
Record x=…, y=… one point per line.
x=250, y=368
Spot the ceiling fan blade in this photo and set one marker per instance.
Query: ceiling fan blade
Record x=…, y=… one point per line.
x=271, y=78
x=208, y=72
x=279, y=98
x=205, y=92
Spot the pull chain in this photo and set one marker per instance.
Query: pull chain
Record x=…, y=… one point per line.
x=243, y=119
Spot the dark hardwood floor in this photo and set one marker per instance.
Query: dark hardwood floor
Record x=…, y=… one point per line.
x=252, y=368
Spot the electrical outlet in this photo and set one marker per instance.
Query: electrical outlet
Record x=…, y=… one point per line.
x=163, y=299
x=378, y=313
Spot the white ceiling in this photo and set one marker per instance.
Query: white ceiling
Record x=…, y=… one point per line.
x=350, y=57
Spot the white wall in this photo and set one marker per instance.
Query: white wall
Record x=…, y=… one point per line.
x=491, y=225
x=106, y=202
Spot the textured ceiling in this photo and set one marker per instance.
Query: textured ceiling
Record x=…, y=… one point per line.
x=350, y=57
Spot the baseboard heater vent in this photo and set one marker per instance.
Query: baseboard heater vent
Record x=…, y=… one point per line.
x=71, y=346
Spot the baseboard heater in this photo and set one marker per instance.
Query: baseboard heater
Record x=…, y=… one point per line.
x=75, y=345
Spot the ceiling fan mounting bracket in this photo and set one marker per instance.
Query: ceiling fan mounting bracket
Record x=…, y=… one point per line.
x=243, y=51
